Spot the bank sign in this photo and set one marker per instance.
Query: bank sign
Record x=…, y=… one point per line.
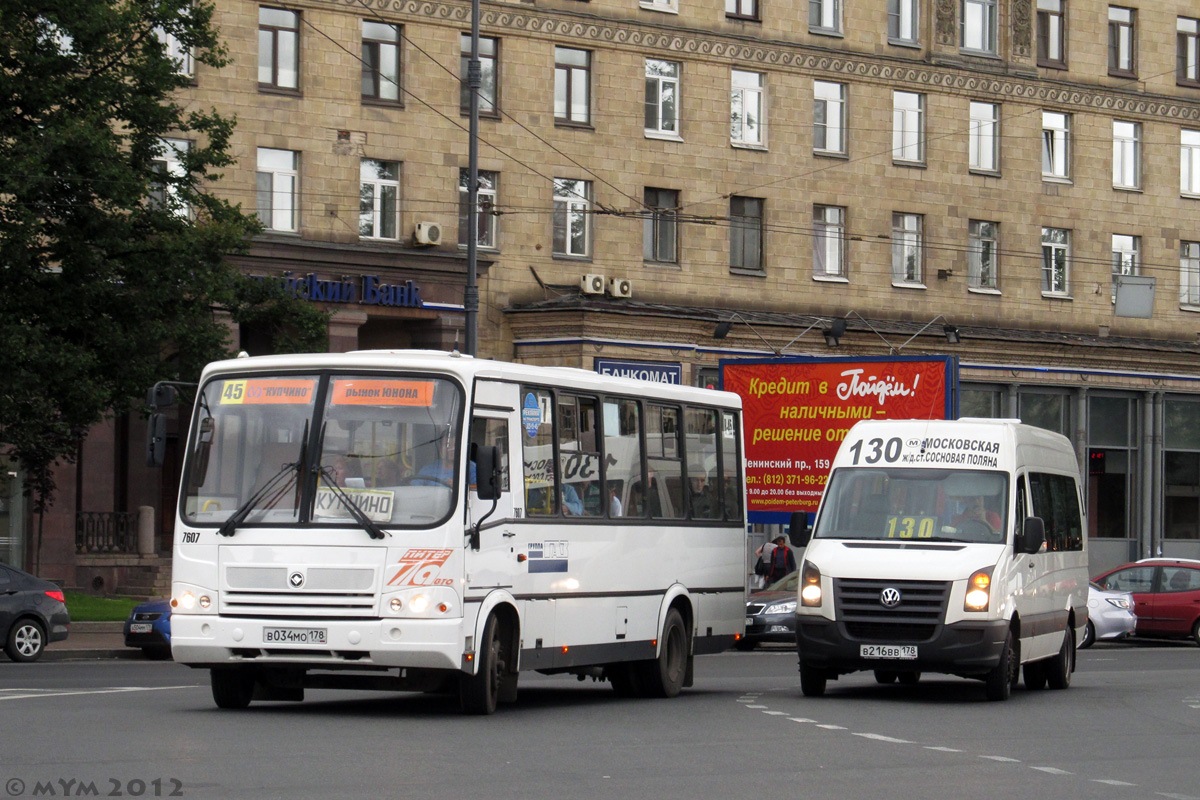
x=367, y=290
x=641, y=370
x=797, y=411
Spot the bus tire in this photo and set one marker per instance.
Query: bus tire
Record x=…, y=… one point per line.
x=232, y=687
x=664, y=676
x=1035, y=675
x=478, y=693
x=999, y=681
x=624, y=679
x=812, y=681
x=1059, y=668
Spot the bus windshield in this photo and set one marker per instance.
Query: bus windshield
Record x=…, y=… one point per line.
x=296, y=449
x=922, y=504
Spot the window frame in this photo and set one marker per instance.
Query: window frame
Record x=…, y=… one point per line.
x=825, y=17
x=739, y=94
x=983, y=136
x=904, y=14
x=1126, y=257
x=746, y=233
x=489, y=53
x=269, y=212
x=1056, y=285
x=1048, y=31
x=487, y=198
x=747, y=10
x=373, y=70
x=908, y=237
x=1122, y=42
x=271, y=36
x=1189, y=274
x=660, y=228
x=908, y=129
x=988, y=20
x=378, y=200
x=979, y=242
x=565, y=85
x=570, y=205
x=173, y=152
x=1056, y=146
x=657, y=99
x=829, y=243
x=1189, y=162
x=185, y=62
x=823, y=103
x=1187, y=51
x=1127, y=155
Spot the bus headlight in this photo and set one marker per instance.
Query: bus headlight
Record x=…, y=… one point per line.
x=979, y=590
x=810, y=586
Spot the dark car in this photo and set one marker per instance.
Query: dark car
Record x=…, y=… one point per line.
x=771, y=614
x=1166, y=595
x=149, y=627
x=33, y=613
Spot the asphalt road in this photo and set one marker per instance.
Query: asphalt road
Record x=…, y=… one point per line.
x=1127, y=729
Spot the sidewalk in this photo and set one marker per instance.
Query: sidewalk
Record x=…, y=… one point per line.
x=92, y=640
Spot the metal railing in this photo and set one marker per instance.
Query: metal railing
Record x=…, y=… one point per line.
x=106, y=532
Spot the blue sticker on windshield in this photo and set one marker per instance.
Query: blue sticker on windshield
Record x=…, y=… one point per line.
x=531, y=415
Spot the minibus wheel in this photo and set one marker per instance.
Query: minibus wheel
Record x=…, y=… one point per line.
x=1060, y=667
x=999, y=681
x=812, y=681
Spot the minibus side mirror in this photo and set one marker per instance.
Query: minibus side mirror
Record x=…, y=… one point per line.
x=1033, y=535
x=799, y=533
x=487, y=472
x=156, y=439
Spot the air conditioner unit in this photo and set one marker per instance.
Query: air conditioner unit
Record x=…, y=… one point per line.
x=592, y=284
x=429, y=233
x=620, y=287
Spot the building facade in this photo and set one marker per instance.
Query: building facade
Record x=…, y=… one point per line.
x=1024, y=172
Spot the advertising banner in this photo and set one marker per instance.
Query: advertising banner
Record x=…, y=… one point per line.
x=797, y=411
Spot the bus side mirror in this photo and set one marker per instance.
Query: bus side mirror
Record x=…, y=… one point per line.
x=161, y=395
x=799, y=533
x=487, y=472
x=156, y=440
x=1033, y=535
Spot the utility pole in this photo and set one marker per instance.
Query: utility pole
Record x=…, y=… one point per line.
x=471, y=293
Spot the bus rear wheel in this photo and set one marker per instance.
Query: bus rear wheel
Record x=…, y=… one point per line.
x=664, y=676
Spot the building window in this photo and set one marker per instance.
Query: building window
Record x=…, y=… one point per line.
x=1189, y=273
x=1052, y=34
x=489, y=75
x=175, y=50
x=978, y=25
x=380, y=62
x=667, y=6
x=379, y=199
x=983, y=254
x=829, y=242
x=278, y=49
x=1189, y=162
x=1056, y=142
x=660, y=235
x=906, y=249
x=903, y=21
x=572, y=218
x=169, y=164
x=486, y=233
x=908, y=127
x=1122, y=42
x=662, y=97
x=825, y=16
x=746, y=233
x=747, y=108
x=742, y=9
x=1125, y=258
x=572, y=86
x=984, y=137
x=1127, y=154
x=277, y=191
x=1056, y=253
x=829, y=117
x=1187, y=51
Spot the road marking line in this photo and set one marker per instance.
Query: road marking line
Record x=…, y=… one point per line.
x=1004, y=759
x=1112, y=782
x=776, y=713
x=942, y=749
x=1176, y=796
x=757, y=706
x=879, y=737
x=35, y=693
x=1052, y=770
x=801, y=719
x=832, y=727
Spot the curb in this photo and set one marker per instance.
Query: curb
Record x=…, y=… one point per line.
x=98, y=654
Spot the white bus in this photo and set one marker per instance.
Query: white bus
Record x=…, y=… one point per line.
x=422, y=521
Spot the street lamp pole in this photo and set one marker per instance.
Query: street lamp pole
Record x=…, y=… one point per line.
x=471, y=292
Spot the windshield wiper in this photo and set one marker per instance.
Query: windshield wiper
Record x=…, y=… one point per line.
x=342, y=495
x=229, y=526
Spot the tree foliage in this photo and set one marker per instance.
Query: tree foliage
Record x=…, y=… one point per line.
x=113, y=270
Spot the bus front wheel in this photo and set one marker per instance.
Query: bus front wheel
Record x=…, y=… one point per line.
x=232, y=687
x=478, y=693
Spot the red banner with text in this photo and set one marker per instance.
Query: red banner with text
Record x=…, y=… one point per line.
x=796, y=413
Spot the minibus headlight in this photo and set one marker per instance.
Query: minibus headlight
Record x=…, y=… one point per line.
x=979, y=590
x=810, y=586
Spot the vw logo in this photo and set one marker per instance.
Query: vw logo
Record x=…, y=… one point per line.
x=296, y=580
x=889, y=597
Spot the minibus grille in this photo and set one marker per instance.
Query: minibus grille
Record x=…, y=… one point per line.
x=917, y=617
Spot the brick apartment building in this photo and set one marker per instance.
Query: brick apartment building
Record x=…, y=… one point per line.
x=1023, y=172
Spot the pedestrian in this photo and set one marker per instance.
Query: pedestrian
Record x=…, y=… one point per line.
x=782, y=561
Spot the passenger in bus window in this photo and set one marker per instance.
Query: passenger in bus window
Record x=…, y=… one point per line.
x=346, y=471
x=572, y=504
x=615, y=508
x=438, y=472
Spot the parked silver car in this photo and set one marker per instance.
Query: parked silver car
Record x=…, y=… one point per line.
x=1110, y=615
